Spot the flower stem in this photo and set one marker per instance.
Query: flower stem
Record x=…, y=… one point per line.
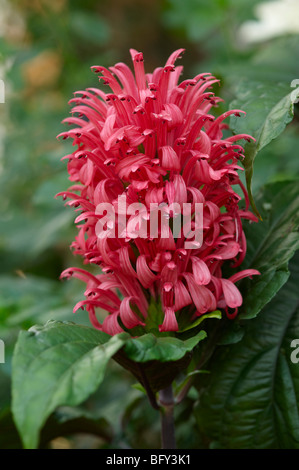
x=167, y=419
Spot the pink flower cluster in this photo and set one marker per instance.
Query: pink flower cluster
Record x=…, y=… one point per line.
x=154, y=140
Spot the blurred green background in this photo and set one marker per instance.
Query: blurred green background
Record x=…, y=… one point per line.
x=46, y=50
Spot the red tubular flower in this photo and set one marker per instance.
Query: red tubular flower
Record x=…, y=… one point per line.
x=153, y=141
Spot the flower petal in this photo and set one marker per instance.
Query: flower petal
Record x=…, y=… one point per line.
x=181, y=296
x=111, y=325
x=201, y=271
x=202, y=297
x=170, y=322
x=232, y=295
x=127, y=315
x=145, y=275
x=169, y=158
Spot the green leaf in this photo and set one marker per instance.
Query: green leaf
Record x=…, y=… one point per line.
x=143, y=356
x=250, y=399
x=215, y=314
x=55, y=365
x=62, y=364
x=269, y=107
x=270, y=245
x=166, y=349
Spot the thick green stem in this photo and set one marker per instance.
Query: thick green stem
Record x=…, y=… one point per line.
x=167, y=419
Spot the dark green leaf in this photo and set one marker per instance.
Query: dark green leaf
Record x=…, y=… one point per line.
x=215, y=314
x=270, y=244
x=143, y=357
x=61, y=364
x=269, y=107
x=150, y=348
x=250, y=399
x=58, y=364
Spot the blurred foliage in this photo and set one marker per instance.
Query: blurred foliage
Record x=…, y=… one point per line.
x=46, y=50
